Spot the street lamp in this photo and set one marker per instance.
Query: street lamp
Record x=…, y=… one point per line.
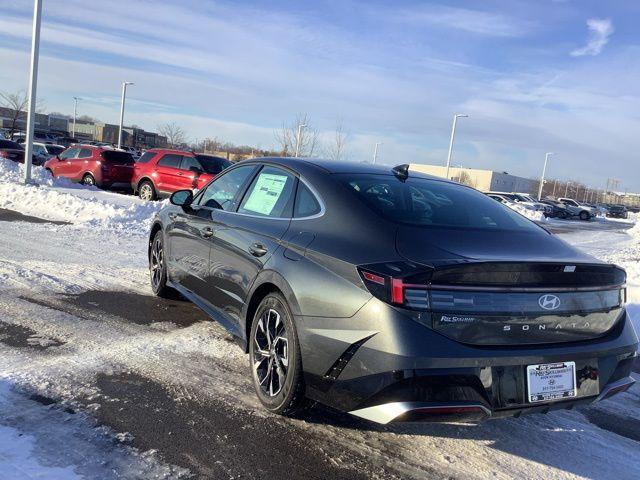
x=75, y=113
x=33, y=83
x=298, y=139
x=544, y=169
x=453, y=134
x=124, y=94
x=375, y=152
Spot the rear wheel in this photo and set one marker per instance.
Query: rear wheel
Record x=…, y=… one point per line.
x=88, y=179
x=158, y=269
x=146, y=191
x=584, y=215
x=274, y=353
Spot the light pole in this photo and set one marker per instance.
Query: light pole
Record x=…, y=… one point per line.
x=544, y=170
x=375, y=152
x=75, y=113
x=298, y=138
x=566, y=189
x=33, y=83
x=124, y=94
x=453, y=134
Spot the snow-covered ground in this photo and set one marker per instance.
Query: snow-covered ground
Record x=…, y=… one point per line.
x=104, y=248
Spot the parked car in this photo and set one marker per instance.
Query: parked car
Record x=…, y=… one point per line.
x=67, y=141
x=47, y=150
x=523, y=200
x=500, y=198
x=91, y=165
x=577, y=209
x=558, y=210
x=617, y=211
x=160, y=172
x=14, y=151
x=393, y=295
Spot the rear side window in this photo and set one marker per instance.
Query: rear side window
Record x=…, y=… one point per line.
x=306, y=202
x=146, y=157
x=117, y=158
x=424, y=202
x=170, y=160
x=270, y=194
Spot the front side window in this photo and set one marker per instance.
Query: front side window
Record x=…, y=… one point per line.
x=85, y=153
x=146, y=157
x=189, y=162
x=213, y=165
x=170, y=160
x=69, y=153
x=270, y=194
x=221, y=192
x=424, y=202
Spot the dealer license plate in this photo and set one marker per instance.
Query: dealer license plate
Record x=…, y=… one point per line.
x=551, y=381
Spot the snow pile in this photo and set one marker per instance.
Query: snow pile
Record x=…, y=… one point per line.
x=535, y=215
x=30, y=436
x=60, y=199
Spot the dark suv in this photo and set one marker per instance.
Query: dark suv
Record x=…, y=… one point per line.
x=92, y=165
x=160, y=172
x=393, y=295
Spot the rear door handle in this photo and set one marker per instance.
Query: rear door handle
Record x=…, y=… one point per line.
x=257, y=250
x=206, y=232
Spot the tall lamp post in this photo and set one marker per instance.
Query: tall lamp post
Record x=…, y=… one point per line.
x=75, y=114
x=375, y=152
x=124, y=94
x=298, y=138
x=33, y=83
x=453, y=134
x=544, y=170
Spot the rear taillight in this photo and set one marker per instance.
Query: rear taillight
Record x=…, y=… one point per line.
x=4, y=154
x=398, y=284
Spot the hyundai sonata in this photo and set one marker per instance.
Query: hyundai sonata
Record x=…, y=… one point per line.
x=393, y=295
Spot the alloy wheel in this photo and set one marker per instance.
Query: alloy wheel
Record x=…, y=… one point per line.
x=146, y=192
x=157, y=263
x=271, y=353
x=88, y=180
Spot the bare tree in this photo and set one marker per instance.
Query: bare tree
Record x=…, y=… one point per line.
x=338, y=145
x=287, y=137
x=17, y=103
x=174, y=133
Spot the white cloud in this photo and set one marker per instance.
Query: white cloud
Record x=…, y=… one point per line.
x=600, y=29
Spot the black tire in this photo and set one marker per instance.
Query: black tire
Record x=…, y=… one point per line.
x=158, y=268
x=584, y=215
x=562, y=215
x=88, y=180
x=146, y=191
x=283, y=397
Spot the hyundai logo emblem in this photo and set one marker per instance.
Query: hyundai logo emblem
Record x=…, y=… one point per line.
x=549, y=302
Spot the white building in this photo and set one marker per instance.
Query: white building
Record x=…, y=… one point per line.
x=483, y=180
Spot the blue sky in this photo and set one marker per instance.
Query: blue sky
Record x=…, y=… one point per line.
x=534, y=76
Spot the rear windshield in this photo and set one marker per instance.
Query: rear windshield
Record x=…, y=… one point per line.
x=213, y=165
x=120, y=158
x=10, y=144
x=423, y=202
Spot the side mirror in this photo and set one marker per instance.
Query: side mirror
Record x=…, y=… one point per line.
x=182, y=198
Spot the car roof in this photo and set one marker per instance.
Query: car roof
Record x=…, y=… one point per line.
x=331, y=166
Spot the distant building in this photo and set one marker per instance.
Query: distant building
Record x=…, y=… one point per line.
x=483, y=180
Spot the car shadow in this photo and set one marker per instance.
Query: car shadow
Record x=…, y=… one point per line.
x=574, y=441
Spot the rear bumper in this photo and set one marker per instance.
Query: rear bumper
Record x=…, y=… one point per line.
x=392, y=368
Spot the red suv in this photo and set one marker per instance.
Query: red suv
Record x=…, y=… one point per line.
x=160, y=172
x=93, y=165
